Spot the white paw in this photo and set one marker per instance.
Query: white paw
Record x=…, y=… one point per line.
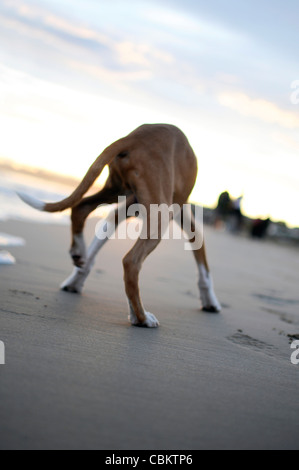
x=75, y=282
x=150, y=321
x=207, y=295
x=209, y=300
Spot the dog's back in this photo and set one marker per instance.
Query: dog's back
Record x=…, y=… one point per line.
x=160, y=153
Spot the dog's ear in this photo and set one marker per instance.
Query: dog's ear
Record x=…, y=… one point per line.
x=31, y=201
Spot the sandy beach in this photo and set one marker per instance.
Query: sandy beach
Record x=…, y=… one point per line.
x=78, y=376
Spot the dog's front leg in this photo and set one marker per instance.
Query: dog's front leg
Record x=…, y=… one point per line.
x=80, y=213
x=105, y=229
x=75, y=282
x=78, y=250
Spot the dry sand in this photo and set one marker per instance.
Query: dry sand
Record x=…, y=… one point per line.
x=78, y=376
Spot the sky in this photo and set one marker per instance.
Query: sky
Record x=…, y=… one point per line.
x=76, y=75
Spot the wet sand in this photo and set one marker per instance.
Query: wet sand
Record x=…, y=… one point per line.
x=78, y=376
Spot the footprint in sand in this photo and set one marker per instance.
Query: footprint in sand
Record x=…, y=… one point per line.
x=249, y=342
x=274, y=300
x=22, y=292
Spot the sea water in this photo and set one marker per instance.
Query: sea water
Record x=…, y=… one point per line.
x=12, y=208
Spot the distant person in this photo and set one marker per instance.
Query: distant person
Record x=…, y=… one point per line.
x=259, y=228
x=237, y=216
x=223, y=209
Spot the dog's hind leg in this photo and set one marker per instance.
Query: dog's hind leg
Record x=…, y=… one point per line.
x=76, y=281
x=208, y=297
x=152, y=233
x=132, y=265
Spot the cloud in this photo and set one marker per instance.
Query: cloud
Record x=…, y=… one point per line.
x=58, y=32
x=261, y=109
x=111, y=62
x=187, y=24
x=287, y=140
x=271, y=22
x=106, y=75
x=140, y=53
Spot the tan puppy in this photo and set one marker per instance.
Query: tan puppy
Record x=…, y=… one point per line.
x=154, y=164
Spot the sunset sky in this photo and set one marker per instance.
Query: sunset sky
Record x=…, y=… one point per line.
x=76, y=75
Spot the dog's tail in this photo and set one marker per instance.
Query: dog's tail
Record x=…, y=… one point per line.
x=92, y=174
